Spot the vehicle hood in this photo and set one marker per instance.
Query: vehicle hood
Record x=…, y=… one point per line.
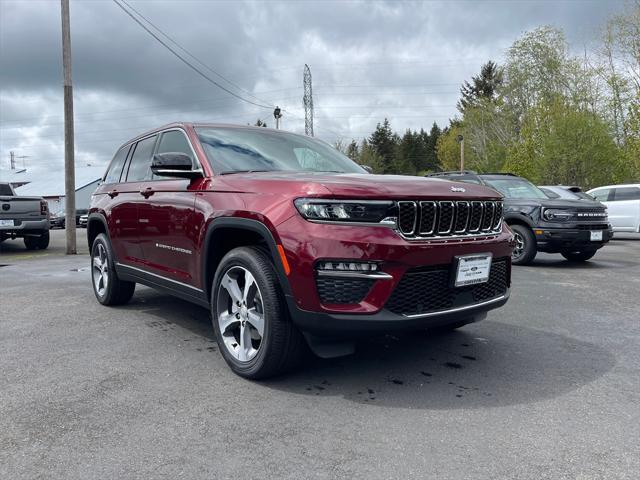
x=553, y=203
x=349, y=185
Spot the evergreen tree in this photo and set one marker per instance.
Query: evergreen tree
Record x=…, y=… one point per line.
x=482, y=87
x=353, y=151
x=432, y=163
x=383, y=142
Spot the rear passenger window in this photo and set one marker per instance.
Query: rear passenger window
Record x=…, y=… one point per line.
x=115, y=168
x=601, y=195
x=629, y=193
x=140, y=165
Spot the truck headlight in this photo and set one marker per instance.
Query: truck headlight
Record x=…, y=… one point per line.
x=556, y=214
x=358, y=211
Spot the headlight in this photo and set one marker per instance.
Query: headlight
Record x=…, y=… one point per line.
x=362, y=211
x=555, y=214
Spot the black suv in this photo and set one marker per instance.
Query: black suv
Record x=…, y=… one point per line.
x=574, y=228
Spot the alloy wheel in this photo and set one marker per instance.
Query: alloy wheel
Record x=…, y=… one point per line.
x=518, y=249
x=240, y=313
x=100, y=270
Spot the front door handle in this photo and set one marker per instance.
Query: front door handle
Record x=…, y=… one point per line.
x=113, y=193
x=147, y=192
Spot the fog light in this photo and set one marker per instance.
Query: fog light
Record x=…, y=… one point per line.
x=348, y=266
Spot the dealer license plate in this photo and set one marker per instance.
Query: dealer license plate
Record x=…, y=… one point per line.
x=596, y=235
x=472, y=269
x=6, y=223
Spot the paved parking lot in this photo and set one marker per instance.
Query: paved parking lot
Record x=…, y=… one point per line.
x=547, y=387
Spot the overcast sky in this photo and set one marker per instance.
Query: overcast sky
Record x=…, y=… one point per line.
x=403, y=60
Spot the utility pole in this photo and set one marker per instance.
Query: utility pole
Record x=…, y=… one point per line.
x=12, y=160
x=277, y=114
x=460, y=139
x=307, y=101
x=69, y=164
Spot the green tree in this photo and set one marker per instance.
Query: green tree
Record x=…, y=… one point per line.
x=353, y=151
x=482, y=87
x=384, y=143
x=368, y=156
x=564, y=144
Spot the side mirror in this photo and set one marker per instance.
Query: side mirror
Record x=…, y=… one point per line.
x=174, y=164
x=367, y=168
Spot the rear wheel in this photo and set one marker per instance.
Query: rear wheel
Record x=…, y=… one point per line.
x=580, y=256
x=525, y=249
x=109, y=289
x=250, y=318
x=34, y=243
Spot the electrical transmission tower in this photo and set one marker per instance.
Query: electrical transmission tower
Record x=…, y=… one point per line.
x=308, y=102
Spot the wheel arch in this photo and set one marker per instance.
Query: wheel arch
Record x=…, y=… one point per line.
x=96, y=224
x=518, y=219
x=225, y=233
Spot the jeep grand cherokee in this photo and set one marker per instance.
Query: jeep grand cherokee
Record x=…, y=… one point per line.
x=289, y=243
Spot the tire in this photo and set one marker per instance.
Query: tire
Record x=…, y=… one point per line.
x=107, y=287
x=239, y=313
x=35, y=243
x=581, y=256
x=525, y=250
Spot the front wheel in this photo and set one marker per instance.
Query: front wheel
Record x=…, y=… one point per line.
x=109, y=289
x=525, y=248
x=250, y=318
x=580, y=256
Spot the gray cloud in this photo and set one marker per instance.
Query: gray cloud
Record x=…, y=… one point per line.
x=404, y=60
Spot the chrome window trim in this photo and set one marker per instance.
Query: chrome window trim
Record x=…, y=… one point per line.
x=122, y=265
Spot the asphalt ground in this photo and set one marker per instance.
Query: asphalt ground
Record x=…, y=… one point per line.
x=546, y=387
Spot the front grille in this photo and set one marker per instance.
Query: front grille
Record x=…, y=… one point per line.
x=343, y=290
x=594, y=226
x=448, y=218
x=428, y=289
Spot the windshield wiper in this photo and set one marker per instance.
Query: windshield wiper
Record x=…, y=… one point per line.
x=231, y=172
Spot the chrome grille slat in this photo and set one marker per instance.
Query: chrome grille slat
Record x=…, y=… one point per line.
x=446, y=218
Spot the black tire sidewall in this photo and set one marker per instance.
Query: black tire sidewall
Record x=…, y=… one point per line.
x=107, y=298
x=530, y=248
x=274, y=310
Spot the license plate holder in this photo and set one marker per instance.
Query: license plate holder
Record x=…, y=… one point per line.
x=7, y=223
x=596, y=235
x=471, y=269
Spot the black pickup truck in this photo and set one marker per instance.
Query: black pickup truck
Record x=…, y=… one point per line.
x=23, y=217
x=576, y=229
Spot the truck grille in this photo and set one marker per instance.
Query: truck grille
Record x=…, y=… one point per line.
x=428, y=289
x=448, y=218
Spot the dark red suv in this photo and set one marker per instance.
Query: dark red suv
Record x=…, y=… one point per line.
x=290, y=243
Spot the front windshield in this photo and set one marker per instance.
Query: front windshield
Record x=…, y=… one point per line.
x=516, y=188
x=232, y=150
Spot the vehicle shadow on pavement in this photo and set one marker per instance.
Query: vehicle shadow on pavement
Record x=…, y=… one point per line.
x=484, y=365
x=487, y=364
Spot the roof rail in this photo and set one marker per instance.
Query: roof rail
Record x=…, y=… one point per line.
x=500, y=173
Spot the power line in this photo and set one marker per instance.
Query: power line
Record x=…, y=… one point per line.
x=186, y=62
x=190, y=54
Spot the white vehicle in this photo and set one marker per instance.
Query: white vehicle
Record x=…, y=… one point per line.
x=623, y=205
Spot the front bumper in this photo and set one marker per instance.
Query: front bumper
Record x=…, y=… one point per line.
x=307, y=243
x=555, y=240
x=23, y=228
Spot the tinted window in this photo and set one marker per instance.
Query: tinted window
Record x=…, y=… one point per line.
x=516, y=188
x=140, y=166
x=629, y=193
x=601, y=195
x=5, y=189
x=238, y=149
x=115, y=169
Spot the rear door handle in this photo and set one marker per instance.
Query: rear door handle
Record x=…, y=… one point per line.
x=147, y=192
x=113, y=193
